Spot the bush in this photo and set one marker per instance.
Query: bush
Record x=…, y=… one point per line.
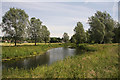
x=86, y=47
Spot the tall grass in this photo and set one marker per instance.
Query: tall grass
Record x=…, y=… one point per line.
x=102, y=63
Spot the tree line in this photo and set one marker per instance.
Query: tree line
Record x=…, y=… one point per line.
x=103, y=29
x=16, y=25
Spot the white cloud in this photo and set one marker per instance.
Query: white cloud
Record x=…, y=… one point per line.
x=0, y=12
x=65, y=11
x=57, y=31
x=115, y=10
x=64, y=16
x=1, y=19
x=57, y=7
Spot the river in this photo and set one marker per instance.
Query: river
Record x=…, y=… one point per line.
x=48, y=58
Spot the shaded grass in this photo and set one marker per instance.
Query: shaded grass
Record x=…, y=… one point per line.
x=13, y=52
x=102, y=63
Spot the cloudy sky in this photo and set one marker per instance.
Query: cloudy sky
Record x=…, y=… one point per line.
x=62, y=17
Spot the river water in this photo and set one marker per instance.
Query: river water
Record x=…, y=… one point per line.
x=48, y=58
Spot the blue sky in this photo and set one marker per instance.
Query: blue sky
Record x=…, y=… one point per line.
x=62, y=17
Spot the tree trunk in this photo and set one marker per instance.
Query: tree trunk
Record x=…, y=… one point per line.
x=35, y=42
x=35, y=39
x=15, y=41
x=49, y=42
x=45, y=41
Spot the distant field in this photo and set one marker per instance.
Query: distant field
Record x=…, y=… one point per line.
x=12, y=44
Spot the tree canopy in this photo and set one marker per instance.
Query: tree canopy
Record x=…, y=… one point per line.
x=101, y=27
x=80, y=35
x=65, y=37
x=45, y=34
x=35, y=29
x=73, y=40
x=14, y=22
x=116, y=37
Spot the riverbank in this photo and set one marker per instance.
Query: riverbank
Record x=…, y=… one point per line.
x=25, y=50
x=102, y=63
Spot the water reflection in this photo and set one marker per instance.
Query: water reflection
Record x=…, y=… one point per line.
x=48, y=58
x=60, y=53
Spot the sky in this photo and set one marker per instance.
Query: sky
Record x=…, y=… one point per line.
x=60, y=17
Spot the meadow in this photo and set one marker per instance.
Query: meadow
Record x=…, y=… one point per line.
x=25, y=50
x=102, y=63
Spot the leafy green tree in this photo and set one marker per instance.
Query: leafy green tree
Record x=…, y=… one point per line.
x=101, y=25
x=80, y=35
x=73, y=40
x=65, y=37
x=118, y=33
x=14, y=22
x=45, y=34
x=97, y=30
x=55, y=40
x=116, y=37
x=87, y=37
x=34, y=30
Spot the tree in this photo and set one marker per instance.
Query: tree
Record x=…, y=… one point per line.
x=80, y=36
x=65, y=37
x=14, y=22
x=34, y=30
x=87, y=36
x=97, y=30
x=101, y=26
x=72, y=40
x=118, y=34
x=116, y=37
x=45, y=34
x=55, y=40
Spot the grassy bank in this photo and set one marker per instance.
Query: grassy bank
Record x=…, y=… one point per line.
x=102, y=63
x=23, y=50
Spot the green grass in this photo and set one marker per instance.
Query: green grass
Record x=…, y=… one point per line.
x=102, y=63
x=14, y=52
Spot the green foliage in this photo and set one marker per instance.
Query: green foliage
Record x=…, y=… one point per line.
x=87, y=37
x=73, y=40
x=97, y=30
x=45, y=34
x=38, y=32
x=86, y=47
x=14, y=23
x=100, y=64
x=65, y=37
x=80, y=36
x=34, y=29
x=101, y=27
x=82, y=46
x=116, y=37
x=55, y=40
